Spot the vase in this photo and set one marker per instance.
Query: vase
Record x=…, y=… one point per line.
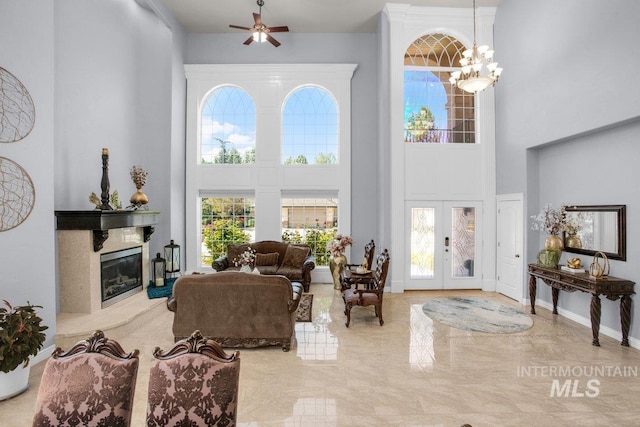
x=573, y=241
x=553, y=242
x=14, y=382
x=336, y=266
x=245, y=269
x=139, y=198
x=549, y=258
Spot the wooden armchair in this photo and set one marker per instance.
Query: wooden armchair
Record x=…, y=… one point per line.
x=193, y=384
x=90, y=385
x=372, y=294
x=349, y=276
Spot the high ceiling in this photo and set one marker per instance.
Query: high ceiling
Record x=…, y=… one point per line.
x=301, y=16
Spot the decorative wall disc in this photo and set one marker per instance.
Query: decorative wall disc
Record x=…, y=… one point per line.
x=17, y=112
x=17, y=194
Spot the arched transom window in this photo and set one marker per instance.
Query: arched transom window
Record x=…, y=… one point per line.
x=310, y=127
x=228, y=127
x=435, y=111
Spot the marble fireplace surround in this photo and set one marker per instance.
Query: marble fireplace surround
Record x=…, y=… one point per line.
x=82, y=237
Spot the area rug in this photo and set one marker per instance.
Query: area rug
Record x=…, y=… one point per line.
x=303, y=314
x=478, y=315
x=160, y=291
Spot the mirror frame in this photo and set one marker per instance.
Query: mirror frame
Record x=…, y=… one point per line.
x=621, y=215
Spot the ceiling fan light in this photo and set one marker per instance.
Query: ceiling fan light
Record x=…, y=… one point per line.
x=259, y=36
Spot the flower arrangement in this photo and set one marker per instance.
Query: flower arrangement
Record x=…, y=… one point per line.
x=248, y=257
x=339, y=244
x=139, y=176
x=573, y=223
x=549, y=220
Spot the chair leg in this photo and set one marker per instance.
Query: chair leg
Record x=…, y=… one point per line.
x=347, y=311
x=379, y=314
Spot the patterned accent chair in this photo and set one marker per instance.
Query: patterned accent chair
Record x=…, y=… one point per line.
x=194, y=384
x=372, y=293
x=90, y=385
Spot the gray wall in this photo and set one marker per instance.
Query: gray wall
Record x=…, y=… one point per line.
x=300, y=48
x=567, y=118
x=113, y=89
x=101, y=74
x=27, y=259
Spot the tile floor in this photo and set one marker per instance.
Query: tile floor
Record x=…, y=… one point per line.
x=412, y=372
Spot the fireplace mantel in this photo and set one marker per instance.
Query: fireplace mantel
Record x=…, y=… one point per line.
x=101, y=221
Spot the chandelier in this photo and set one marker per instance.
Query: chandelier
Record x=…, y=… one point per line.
x=474, y=62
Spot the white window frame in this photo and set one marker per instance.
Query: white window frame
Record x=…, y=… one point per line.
x=269, y=85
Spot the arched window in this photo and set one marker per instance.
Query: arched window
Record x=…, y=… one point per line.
x=228, y=127
x=435, y=111
x=310, y=127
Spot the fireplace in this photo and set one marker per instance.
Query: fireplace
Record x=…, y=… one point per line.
x=121, y=275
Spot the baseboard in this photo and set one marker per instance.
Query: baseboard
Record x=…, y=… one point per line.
x=604, y=330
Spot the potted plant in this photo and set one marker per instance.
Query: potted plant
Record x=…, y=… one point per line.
x=21, y=337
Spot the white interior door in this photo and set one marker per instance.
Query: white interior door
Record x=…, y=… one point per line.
x=444, y=238
x=509, y=267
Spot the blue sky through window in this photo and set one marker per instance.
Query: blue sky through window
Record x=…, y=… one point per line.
x=310, y=125
x=229, y=115
x=423, y=88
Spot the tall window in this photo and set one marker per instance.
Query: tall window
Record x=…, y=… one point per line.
x=228, y=130
x=313, y=221
x=225, y=220
x=435, y=111
x=310, y=127
x=240, y=119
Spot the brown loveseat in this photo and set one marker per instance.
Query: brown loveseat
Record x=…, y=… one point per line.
x=294, y=261
x=236, y=309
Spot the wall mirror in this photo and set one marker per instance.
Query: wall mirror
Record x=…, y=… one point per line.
x=592, y=229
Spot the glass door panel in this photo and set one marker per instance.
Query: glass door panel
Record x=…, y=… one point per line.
x=444, y=241
x=422, y=253
x=463, y=241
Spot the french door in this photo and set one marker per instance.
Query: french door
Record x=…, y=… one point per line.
x=444, y=245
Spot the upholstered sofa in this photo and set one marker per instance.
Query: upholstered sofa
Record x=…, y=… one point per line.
x=294, y=261
x=236, y=309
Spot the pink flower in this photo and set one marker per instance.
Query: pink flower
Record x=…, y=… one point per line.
x=339, y=244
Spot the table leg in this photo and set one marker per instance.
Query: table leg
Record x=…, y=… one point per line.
x=554, y=294
x=625, y=318
x=595, y=319
x=532, y=293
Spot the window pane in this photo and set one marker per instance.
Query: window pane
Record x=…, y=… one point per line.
x=228, y=127
x=435, y=111
x=310, y=128
x=225, y=220
x=312, y=221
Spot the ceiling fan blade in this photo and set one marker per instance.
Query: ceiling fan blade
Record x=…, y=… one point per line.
x=257, y=19
x=273, y=41
x=282, y=29
x=240, y=28
x=248, y=41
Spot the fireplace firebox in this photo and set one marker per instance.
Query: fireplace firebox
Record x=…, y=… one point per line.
x=121, y=274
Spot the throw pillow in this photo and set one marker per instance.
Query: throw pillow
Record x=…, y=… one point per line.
x=267, y=259
x=234, y=251
x=295, y=256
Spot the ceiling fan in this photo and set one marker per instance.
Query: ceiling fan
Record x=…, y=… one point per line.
x=260, y=32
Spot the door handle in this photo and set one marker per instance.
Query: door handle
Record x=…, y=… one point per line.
x=446, y=241
x=517, y=255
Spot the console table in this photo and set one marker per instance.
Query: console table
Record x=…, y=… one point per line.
x=611, y=287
